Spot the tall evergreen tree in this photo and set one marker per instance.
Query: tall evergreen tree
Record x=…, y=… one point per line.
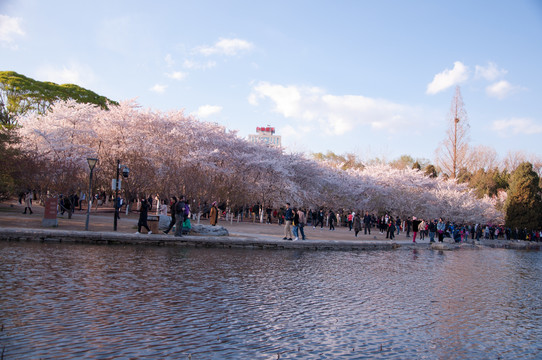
x=10, y=160
x=431, y=171
x=523, y=207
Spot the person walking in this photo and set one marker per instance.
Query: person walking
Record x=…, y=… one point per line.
x=320, y=220
x=288, y=217
x=180, y=209
x=367, y=222
x=172, y=209
x=432, y=230
x=408, y=225
x=391, y=229
x=150, y=202
x=332, y=219
x=441, y=226
x=415, y=228
x=302, y=223
x=295, y=224
x=117, y=205
x=213, y=214
x=28, y=202
x=421, y=229
x=82, y=197
x=268, y=212
x=75, y=201
x=67, y=206
x=163, y=208
x=143, y=213
x=157, y=202
x=479, y=232
x=255, y=212
x=357, y=224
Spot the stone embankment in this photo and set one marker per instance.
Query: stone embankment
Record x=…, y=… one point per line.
x=208, y=241
x=250, y=241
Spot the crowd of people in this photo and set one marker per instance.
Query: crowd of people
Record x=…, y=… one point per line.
x=295, y=219
x=413, y=228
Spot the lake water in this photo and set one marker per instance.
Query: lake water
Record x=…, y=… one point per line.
x=99, y=302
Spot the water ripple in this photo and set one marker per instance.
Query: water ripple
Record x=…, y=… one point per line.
x=76, y=301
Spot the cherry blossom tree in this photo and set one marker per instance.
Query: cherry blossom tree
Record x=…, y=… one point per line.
x=172, y=154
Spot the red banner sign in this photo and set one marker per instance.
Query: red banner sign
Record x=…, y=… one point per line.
x=50, y=208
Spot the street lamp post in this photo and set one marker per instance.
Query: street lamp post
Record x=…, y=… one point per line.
x=125, y=172
x=91, y=164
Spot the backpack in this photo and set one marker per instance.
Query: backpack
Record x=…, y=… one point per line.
x=180, y=207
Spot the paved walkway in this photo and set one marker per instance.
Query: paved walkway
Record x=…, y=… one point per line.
x=102, y=220
x=12, y=220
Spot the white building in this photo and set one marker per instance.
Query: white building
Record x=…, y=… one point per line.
x=266, y=135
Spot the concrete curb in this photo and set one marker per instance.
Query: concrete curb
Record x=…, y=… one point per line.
x=236, y=241
x=244, y=241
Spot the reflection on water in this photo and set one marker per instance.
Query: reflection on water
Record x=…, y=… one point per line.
x=77, y=301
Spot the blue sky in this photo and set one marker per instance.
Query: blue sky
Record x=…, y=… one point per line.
x=375, y=78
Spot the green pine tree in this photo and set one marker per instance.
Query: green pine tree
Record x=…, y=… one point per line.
x=523, y=207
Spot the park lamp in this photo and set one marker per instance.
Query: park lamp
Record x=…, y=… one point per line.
x=125, y=173
x=92, y=163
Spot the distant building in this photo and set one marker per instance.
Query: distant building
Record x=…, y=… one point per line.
x=266, y=135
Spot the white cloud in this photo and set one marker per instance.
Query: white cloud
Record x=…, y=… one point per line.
x=500, y=89
x=491, y=72
x=229, y=47
x=208, y=110
x=190, y=64
x=169, y=60
x=517, y=126
x=448, y=78
x=177, y=75
x=10, y=28
x=74, y=73
x=158, y=88
x=287, y=98
x=334, y=114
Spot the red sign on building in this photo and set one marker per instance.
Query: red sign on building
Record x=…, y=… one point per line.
x=266, y=129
